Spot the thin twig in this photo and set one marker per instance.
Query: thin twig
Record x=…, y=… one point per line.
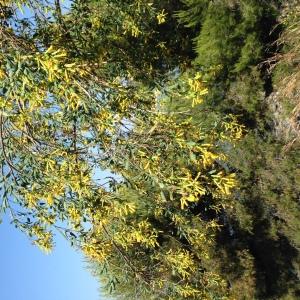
x=10, y=164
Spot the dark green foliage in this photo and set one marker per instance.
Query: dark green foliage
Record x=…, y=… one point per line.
x=233, y=38
x=266, y=216
x=246, y=97
x=214, y=45
x=250, y=54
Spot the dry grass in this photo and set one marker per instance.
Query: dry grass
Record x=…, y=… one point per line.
x=289, y=85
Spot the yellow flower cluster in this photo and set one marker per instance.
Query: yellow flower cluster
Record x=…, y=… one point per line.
x=31, y=199
x=5, y=2
x=208, y=157
x=234, y=131
x=51, y=61
x=142, y=233
x=2, y=73
x=181, y=261
x=190, y=189
x=96, y=22
x=45, y=243
x=198, y=89
x=225, y=183
x=187, y=291
x=74, y=215
x=161, y=17
x=130, y=26
x=123, y=209
x=44, y=238
x=104, y=120
x=97, y=251
x=47, y=219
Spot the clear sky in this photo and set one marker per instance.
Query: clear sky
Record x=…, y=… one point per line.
x=28, y=274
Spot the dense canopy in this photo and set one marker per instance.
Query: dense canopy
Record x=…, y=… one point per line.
x=160, y=137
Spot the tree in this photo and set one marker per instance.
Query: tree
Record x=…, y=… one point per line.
x=64, y=102
x=160, y=222
x=66, y=112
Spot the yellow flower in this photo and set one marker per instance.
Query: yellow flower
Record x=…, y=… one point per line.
x=208, y=158
x=31, y=199
x=225, y=183
x=74, y=215
x=45, y=243
x=2, y=74
x=182, y=262
x=97, y=252
x=50, y=199
x=161, y=17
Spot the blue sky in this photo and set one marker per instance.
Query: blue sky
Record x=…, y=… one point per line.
x=28, y=274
